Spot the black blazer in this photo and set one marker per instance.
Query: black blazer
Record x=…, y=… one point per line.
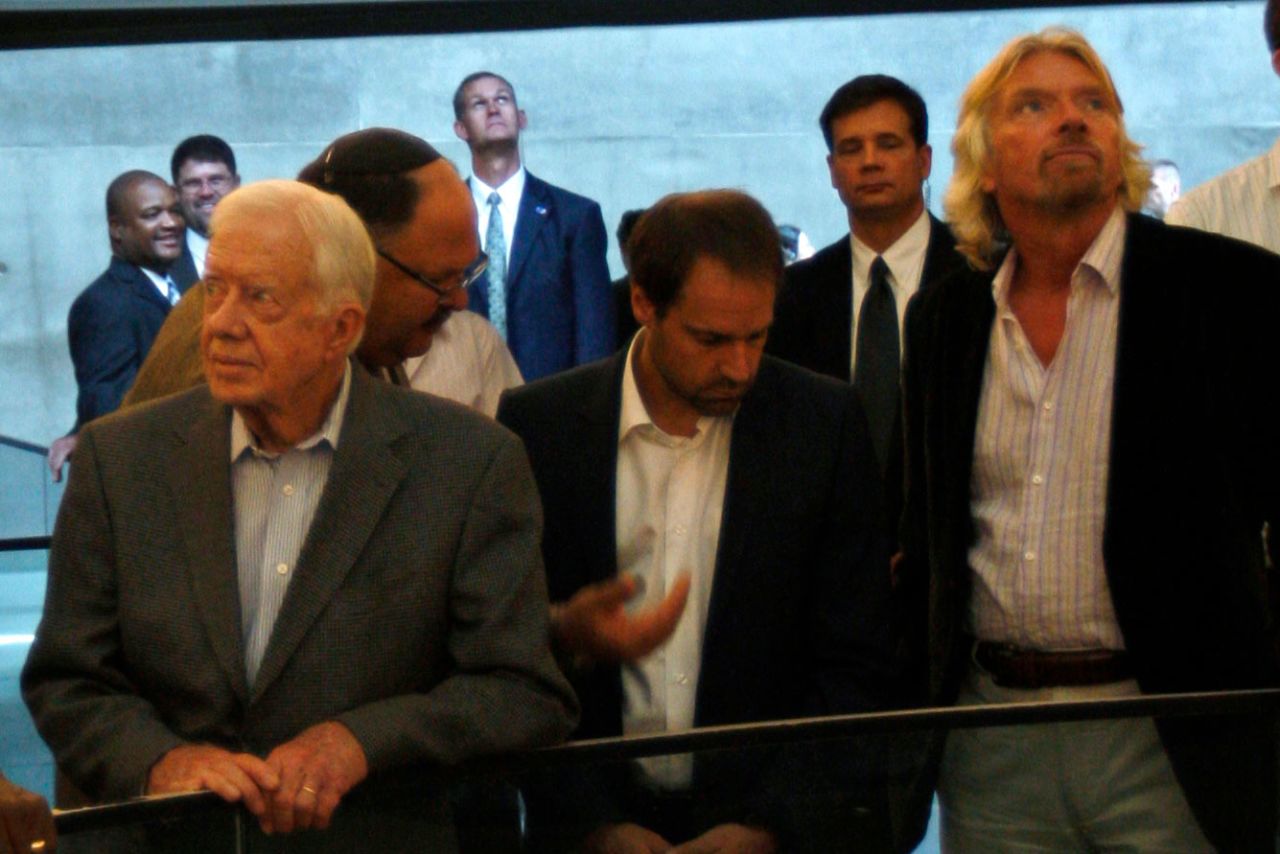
x=110, y=329
x=798, y=621
x=1194, y=474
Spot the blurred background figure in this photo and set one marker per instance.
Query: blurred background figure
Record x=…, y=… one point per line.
x=1166, y=188
x=796, y=245
x=626, y=319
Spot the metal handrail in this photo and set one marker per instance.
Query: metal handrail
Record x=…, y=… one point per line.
x=595, y=751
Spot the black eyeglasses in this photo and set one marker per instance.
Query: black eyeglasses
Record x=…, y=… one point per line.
x=469, y=276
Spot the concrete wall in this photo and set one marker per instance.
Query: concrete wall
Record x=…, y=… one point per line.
x=622, y=115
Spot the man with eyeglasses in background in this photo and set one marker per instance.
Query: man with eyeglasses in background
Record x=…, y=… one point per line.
x=204, y=170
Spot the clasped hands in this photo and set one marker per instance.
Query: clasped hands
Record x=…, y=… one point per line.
x=297, y=787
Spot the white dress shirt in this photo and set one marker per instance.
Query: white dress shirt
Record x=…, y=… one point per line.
x=468, y=362
x=199, y=246
x=509, y=193
x=669, y=501
x=905, y=260
x=1243, y=203
x=163, y=282
x=1041, y=455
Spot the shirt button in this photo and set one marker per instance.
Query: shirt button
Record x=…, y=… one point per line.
x=288, y=489
x=1048, y=405
x=282, y=568
x=1037, y=479
x=681, y=529
x=682, y=679
x=1029, y=555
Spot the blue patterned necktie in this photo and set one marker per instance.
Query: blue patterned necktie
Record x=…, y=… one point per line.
x=876, y=371
x=495, y=246
x=171, y=291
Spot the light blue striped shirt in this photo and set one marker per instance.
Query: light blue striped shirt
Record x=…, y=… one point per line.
x=1040, y=460
x=275, y=497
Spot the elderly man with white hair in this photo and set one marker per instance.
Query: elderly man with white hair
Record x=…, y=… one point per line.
x=288, y=584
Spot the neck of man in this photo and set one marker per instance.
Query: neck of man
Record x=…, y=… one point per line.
x=878, y=233
x=1050, y=244
x=279, y=429
x=495, y=164
x=160, y=268
x=672, y=414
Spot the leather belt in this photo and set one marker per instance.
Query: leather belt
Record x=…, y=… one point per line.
x=1028, y=669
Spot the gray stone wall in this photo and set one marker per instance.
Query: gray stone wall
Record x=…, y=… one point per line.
x=623, y=115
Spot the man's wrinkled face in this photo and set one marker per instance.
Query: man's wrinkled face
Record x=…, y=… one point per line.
x=489, y=114
x=439, y=243
x=1055, y=137
x=265, y=340
x=201, y=185
x=876, y=166
x=706, y=348
x=147, y=230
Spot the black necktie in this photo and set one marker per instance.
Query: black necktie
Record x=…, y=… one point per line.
x=876, y=370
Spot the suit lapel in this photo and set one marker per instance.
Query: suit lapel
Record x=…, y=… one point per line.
x=138, y=283
x=206, y=521
x=840, y=309
x=365, y=474
x=940, y=256
x=535, y=207
x=748, y=482
x=597, y=468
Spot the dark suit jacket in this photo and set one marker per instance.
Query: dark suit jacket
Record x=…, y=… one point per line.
x=416, y=616
x=1194, y=474
x=813, y=322
x=559, y=304
x=183, y=272
x=110, y=329
x=797, y=623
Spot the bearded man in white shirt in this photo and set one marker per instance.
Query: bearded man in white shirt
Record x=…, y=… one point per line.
x=698, y=465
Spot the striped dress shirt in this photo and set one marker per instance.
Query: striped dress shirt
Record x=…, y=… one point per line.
x=275, y=497
x=1243, y=203
x=1041, y=454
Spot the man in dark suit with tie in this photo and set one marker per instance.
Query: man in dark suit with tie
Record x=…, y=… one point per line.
x=839, y=312
x=691, y=460
x=1091, y=458
x=547, y=289
x=289, y=584
x=112, y=323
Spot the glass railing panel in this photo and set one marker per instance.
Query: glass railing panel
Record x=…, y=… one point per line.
x=23, y=756
x=859, y=783
x=28, y=496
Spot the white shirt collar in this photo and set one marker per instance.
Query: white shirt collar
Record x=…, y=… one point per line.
x=1102, y=258
x=510, y=191
x=242, y=437
x=904, y=256
x=162, y=281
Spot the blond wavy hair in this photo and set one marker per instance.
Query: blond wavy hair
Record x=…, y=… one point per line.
x=971, y=211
